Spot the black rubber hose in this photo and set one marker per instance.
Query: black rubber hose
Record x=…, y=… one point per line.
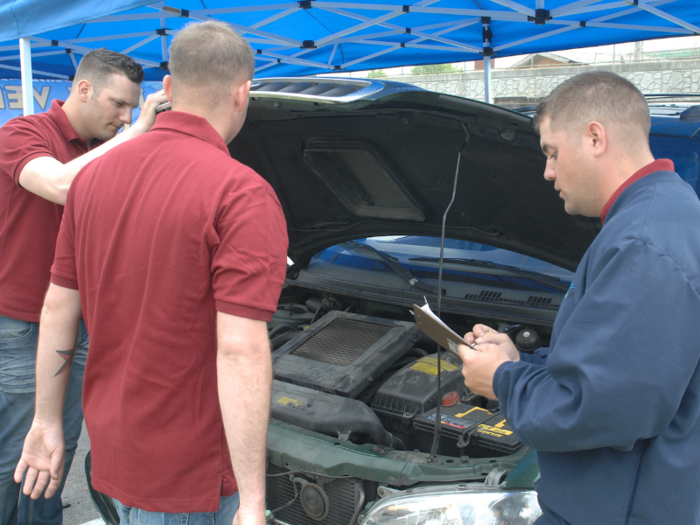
x=280, y=340
x=417, y=352
x=281, y=328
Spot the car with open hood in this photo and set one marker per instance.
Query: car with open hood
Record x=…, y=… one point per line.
x=396, y=196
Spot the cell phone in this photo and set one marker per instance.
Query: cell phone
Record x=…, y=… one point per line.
x=165, y=106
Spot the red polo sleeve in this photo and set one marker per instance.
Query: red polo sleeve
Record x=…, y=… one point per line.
x=21, y=142
x=250, y=260
x=63, y=271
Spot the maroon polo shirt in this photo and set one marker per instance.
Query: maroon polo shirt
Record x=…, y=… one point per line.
x=158, y=235
x=657, y=165
x=29, y=224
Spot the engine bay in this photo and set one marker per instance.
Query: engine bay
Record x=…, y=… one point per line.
x=363, y=372
x=357, y=374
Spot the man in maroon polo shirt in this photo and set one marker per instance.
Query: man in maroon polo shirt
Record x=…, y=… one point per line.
x=179, y=256
x=39, y=157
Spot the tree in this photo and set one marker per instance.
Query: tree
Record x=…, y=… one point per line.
x=376, y=73
x=433, y=69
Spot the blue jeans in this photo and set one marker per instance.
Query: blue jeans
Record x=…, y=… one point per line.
x=18, y=342
x=133, y=516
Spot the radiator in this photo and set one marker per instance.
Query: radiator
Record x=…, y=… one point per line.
x=318, y=500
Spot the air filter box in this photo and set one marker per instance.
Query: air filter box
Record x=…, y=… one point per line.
x=343, y=353
x=469, y=430
x=413, y=390
x=335, y=416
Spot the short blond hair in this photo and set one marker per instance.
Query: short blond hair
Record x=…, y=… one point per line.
x=210, y=56
x=599, y=96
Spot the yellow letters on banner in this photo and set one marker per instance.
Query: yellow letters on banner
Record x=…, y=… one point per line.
x=14, y=96
x=42, y=97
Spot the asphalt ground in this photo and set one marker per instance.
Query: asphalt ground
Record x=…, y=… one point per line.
x=78, y=508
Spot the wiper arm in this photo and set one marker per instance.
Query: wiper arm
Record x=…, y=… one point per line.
x=392, y=263
x=547, y=280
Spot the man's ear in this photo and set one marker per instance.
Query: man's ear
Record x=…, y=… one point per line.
x=241, y=94
x=596, y=138
x=85, y=90
x=168, y=87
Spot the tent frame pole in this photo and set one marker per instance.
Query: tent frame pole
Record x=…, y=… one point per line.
x=487, y=80
x=487, y=36
x=25, y=62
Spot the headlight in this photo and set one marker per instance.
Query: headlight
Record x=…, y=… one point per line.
x=456, y=506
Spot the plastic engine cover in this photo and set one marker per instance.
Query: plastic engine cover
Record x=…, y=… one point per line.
x=343, y=353
x=328, y=414
x=413, y=389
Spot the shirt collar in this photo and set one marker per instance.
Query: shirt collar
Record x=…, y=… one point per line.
x=61, y=119
x=190, y=124
x=657, y=165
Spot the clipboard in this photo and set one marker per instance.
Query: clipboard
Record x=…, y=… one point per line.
x=432, y=326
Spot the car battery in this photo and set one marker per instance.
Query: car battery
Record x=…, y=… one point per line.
x=496, y=434
x=413, y=390
x=468, y=430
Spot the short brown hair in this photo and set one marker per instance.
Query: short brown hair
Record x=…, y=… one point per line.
x=210, y=54
x=597, y=96
x=99, y=64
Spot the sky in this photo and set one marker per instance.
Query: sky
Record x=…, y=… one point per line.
x=589, y=54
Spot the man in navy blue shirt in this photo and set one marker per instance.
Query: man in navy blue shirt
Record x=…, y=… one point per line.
x=612, y=406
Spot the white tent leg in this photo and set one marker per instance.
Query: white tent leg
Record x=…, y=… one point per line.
x=25, y=61
x=487, y=80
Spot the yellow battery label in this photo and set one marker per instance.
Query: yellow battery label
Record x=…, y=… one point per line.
x=428, y=365
x=291, y=402
x=475, y=409
x=425, y=367
x=493, y=431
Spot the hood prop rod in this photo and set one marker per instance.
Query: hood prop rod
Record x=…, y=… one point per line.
x=438, y=418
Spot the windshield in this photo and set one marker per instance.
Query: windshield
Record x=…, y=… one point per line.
x=412, y=262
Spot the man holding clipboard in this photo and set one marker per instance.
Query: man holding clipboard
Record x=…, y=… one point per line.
x=612, y=406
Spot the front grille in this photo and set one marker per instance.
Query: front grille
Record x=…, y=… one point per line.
x=341, y=342
x=345, y=496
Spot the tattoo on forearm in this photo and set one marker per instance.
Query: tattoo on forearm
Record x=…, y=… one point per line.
x=68, y=356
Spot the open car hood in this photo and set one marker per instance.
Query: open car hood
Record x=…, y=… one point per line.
x=381, y=160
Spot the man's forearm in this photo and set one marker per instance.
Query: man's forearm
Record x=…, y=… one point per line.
x=57, y=336
x=51, y=180
x=244, y=395
x=74, y=166
x=244, y=369
x=142, y=125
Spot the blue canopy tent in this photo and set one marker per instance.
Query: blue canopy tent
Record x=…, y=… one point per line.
x=320, y=36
